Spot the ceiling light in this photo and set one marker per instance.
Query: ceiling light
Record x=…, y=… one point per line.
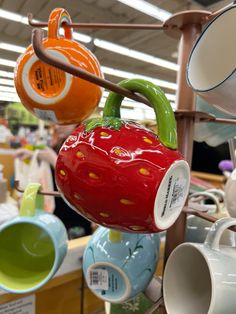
x=13, y=16
x=7, y=89
x=103, y=43
x=80, y=37
x=11, y=47
x=8, y=63
x=135, y=54
x=7, y=82
x=6, y=74
x=124, y=74
x=147, y=8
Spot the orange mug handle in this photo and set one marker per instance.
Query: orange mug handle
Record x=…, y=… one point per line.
x=55, y=21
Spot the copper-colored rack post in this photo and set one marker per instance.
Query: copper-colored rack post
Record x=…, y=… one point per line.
x=185, y=124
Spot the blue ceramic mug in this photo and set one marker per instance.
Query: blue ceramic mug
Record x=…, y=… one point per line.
x=32, y=245
x=118, y=265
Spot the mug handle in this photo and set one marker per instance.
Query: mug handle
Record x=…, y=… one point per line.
x=216, y=232
x=218, y=192
x=207, y=195
x=31, y=200
x=164, y=114
x=55, y=21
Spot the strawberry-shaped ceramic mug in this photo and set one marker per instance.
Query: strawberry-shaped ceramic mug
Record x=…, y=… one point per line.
x=50, y=93
x=121, y=175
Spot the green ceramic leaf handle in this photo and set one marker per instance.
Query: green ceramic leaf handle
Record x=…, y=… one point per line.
x=31, y=200
x=164, y=114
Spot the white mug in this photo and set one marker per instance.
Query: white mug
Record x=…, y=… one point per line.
x=230, y=194
x=211, y=66
x=201, y=278
x=197, y=228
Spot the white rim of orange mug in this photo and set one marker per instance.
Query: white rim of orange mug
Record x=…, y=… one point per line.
x=29, y=89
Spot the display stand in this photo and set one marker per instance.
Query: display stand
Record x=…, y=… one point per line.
x=185, y=26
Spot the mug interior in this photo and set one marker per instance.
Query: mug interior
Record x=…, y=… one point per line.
x=27, y=256
x=187, y=282
x=213, y=57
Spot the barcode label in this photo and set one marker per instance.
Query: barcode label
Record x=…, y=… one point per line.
x=178, y=193
x=98, y=279
x=47, y=115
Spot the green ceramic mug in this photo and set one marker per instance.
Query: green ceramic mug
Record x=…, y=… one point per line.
x=32, y=245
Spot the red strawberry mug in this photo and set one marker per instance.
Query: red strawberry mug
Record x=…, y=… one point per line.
x=121, y=175
x=50, y=93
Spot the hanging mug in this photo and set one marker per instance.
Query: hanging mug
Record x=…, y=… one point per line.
x=121, y=175
x=211, y=66
x=196, y=227
x=200, y=278
x=32, y=245
x=52, y=94
x=119, y=265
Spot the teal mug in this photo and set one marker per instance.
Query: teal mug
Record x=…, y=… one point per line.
x=119, y=265
x=32, y=245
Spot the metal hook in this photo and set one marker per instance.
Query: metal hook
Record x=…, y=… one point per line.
x=50, y=193
x=42, y=54
x=101, y=25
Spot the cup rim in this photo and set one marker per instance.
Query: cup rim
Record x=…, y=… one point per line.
x=193, y=50
x=200, y=248
x=26, y=220
x=128, y=289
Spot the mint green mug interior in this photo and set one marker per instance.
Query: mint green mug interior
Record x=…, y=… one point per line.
x=27, y=256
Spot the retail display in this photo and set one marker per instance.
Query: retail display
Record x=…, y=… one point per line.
x=32, y=245
x=132, y=182
x=144, y=177
x=118, y=265
x=52, y=94
x=211, y=66
x=201, y=278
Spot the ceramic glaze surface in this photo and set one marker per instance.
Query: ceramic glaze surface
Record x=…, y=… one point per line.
x=32, y=246
x=207, y=271
x=50, y=93
x=111, y=176
x=111, y=171
x=135, y=256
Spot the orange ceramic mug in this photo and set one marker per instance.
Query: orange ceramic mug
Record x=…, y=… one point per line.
x=52, y=94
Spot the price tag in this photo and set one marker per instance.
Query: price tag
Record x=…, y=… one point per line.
x=98, y=279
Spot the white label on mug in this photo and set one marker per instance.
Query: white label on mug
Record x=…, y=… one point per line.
x=177, y=192
x=98, y=279
x=48, y=115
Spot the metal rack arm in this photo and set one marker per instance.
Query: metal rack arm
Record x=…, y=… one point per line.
x=100, y=25
x=42, y=54
x=50, y=193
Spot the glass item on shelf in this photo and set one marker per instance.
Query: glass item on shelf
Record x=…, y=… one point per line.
x=121, y=175
x=119, y=265
x=52, y=94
